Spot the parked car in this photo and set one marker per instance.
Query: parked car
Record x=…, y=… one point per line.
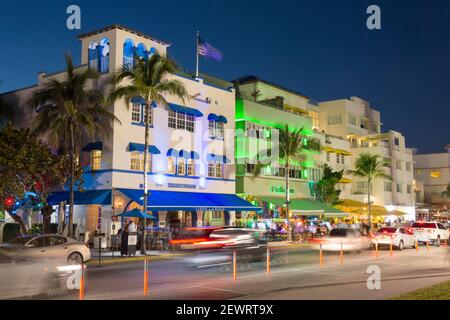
x=399, y=237
x=434, y=232
x=349, y=239
x=22, y=277
x=48, y=246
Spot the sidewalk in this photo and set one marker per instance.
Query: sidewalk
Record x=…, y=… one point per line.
x=109, y=257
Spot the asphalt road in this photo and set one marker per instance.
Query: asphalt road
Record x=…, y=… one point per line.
x=297, y=275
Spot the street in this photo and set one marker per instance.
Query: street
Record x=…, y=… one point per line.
x=300, y=277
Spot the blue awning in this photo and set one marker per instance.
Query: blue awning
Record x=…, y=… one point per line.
x=217, y=158
x=93, y=146
x=172, y=152
x=99, y=197
x=194, y=155
x=141, y=147
x=184, y=154
x=222, y=119
x=138, y=100
x=187, y=110
x=189, y=201
x=212, y=116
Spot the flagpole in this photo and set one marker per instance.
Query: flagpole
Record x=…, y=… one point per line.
x=196, y=69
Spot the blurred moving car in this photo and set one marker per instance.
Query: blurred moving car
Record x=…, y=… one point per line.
x=230, y=238
x=399, y=237
x=48, y=246
x=22, y=277
x=432, y=232
x=349, y=239
x=189, y=236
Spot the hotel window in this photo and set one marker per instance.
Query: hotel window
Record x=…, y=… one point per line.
x=328, y=157
x=342, y=159
x=136, y=111
x=398, y=164
x=149, y=163
x=388, y=162
x=181, y=167
x=336, y=119
x=399, y=188
x=181, y=121
x=215, y=170
x=352, y=120
x=409, y=188
x=172, y=119
x=150, y=114
x=315, y=119
x=96, y=160
x=361, y=187
x=338, y=158
x=388, y=186
x=191, y=167
x=408, y=166
x=135, y=161
x=435, y=174
x=171, y=169
x=219, y=130
x=211, y=128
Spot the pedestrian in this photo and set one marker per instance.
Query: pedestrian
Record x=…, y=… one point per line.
x=124, y=240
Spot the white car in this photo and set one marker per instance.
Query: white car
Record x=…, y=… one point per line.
x=432, y=232
x=399, y=237
x=48, y=246
x=347, y=239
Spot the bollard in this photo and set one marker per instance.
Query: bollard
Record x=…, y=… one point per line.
x=376, y=249
x=390, y=249
x=428, y=245
x=321, y=256
x=234, y=266
x=445, y=242
x=342, y=253
x=268, y=262
x=417, y=246
x=81, y=296
x=99, y=251
x=145, y=277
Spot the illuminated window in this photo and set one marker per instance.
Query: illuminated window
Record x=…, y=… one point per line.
x=181, y=166
x=219, y=170
x=211, y=169
x=191, y=167
x=435, y=174
x=215, y=170
x=171, y=169
x=149, y=162
x=96, y=160
x=135, y=161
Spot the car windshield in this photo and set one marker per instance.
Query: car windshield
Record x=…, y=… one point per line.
x=387, y=230
x=424, y=225
x=20, y=240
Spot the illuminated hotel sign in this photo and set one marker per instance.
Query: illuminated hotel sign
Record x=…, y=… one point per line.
x=280, y=189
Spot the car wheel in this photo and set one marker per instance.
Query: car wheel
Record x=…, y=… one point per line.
x=75, y=258
x=401, y=245
x=438, y=241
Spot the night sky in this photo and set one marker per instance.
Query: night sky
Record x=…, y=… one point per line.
x=320, y=48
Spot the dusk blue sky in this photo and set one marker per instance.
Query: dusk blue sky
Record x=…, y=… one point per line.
x=321, y=48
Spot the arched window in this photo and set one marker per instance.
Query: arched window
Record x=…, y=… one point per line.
x=93, y=55
x=141, y=51
x=103, y=52
x=128, y=52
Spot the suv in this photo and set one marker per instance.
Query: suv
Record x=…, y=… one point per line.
x=434, y=232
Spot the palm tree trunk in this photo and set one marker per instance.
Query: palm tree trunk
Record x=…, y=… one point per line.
x=72, y=182
x=288, y=224
x=143, y=221
x=369, y=202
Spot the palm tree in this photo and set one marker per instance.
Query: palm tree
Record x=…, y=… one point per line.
x=292, y=147
x=68, y=110
x=150, y=80
x=370, y=167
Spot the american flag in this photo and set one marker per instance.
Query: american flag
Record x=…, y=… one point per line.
x=207, y=50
